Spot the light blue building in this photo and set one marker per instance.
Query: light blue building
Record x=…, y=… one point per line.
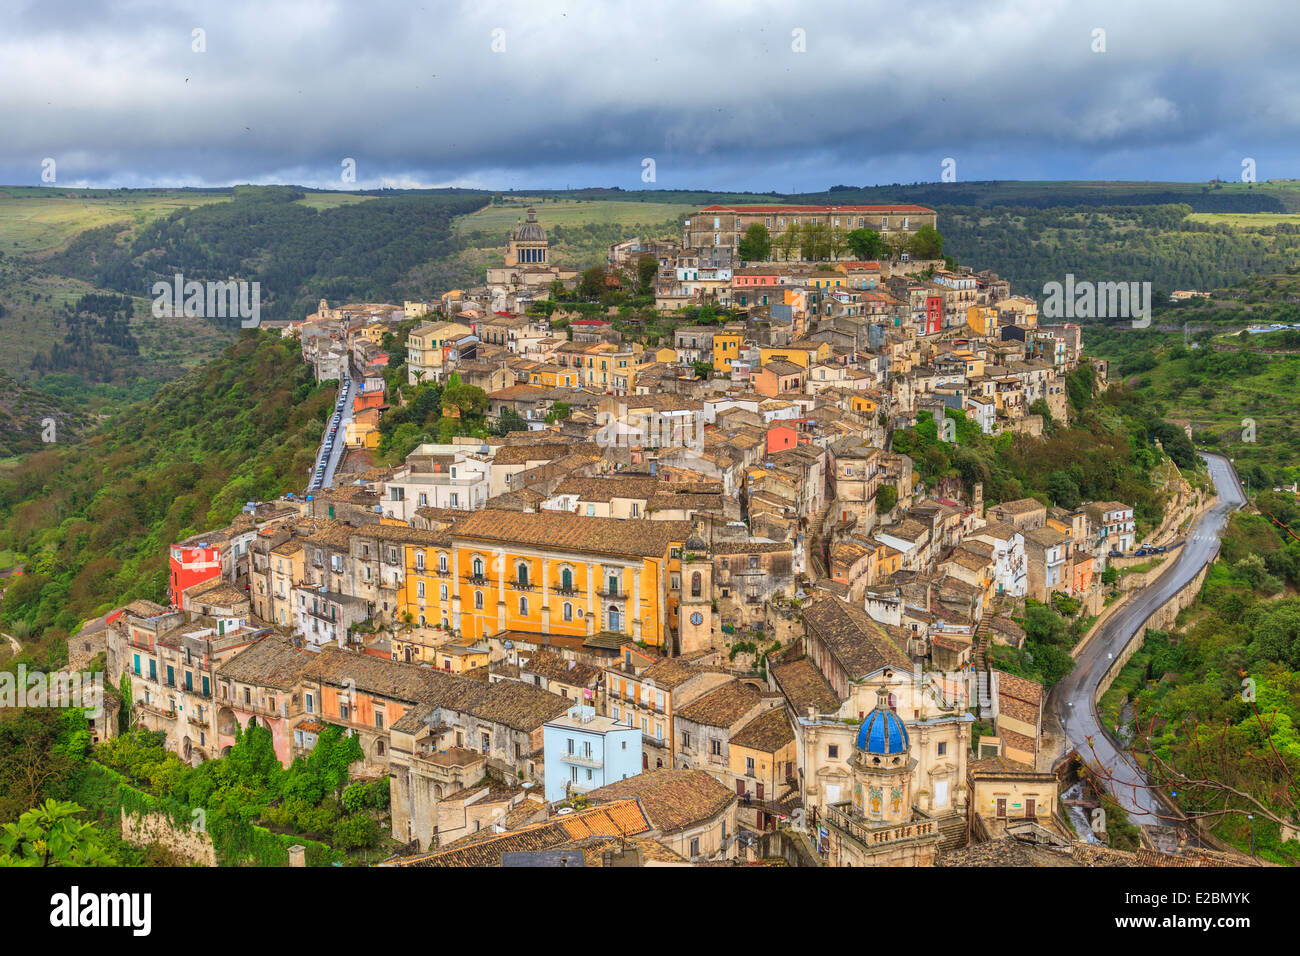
x=583, y=751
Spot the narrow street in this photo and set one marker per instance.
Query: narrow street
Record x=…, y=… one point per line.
x=1072, y=701
x=333, y=457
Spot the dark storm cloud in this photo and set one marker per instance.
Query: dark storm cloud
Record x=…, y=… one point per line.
x=541, y=94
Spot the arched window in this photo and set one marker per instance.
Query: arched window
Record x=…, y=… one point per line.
x=521, y=573
x=478, y=567
x=442, y=562
x=568, y=611
x=566, y=579
x=478, y=600
x=697, y=582
x=523, y=607
x=614, y=619
x=419, y=560
x=379, y=748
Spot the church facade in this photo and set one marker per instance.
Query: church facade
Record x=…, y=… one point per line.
x=527, y=263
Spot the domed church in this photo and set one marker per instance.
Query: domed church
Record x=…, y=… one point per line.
x=527, y=270
x=528, y=243
x=882, y=766
x=881, y=827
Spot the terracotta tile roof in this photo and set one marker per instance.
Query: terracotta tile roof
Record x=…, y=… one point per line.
x=669, y=674
x=855, y=640
x=803, y=686
x=618, y=819
x=1006, y=852
x=569, y=532
x=768, y=732
x=1020, y=688
x=216, y=591
x=721, y=707
x=546, y=451
x=372, y=675
x=671, y=799
x=271, y=662
x=997, y=765
x=550, y=665
x=1018, y=741
x=1020, y=506
x=750, y=547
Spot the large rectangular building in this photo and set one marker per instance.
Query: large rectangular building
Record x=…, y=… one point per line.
x=719, y=229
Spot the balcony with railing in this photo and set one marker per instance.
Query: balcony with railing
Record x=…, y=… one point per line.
x=840, y=817
x=157, y=709
x=582, y=759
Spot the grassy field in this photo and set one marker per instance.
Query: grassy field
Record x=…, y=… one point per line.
x=1245, y=221
x=331, y=200
x=38, y=223
x=38, y=220
x=499, y=219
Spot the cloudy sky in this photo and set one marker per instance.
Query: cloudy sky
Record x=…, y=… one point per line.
x=720, y=94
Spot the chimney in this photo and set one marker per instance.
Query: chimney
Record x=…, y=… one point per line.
x=297, y=855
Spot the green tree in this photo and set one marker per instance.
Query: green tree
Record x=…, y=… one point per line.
x=1064, y=490
x=886, y=498
x=592, y=286
x=788, y=242
x=510, y=421
x=756, y=244
x=865, y=243
x=647, y=270
x=926, y=243
x=124, y=715
x=50, y=835
x=469, y=400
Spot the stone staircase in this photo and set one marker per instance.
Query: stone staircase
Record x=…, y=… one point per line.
x=813, y=541
x=952, y=831
x=980, y=643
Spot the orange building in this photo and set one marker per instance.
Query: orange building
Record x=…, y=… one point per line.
x=550, y=573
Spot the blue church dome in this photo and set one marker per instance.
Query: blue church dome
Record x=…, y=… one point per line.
x=883, y=733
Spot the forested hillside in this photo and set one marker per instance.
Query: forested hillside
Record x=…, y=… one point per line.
x=94, y=519
x=299, y=254
x=1239, y=392
x=1156, y=244
x=31, y=419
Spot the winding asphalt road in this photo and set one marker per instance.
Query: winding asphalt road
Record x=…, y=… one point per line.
x=1072, y=700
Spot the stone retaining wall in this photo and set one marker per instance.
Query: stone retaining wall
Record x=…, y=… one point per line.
x=193, y=845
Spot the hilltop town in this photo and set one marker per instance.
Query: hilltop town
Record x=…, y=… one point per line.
x=688, y=592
